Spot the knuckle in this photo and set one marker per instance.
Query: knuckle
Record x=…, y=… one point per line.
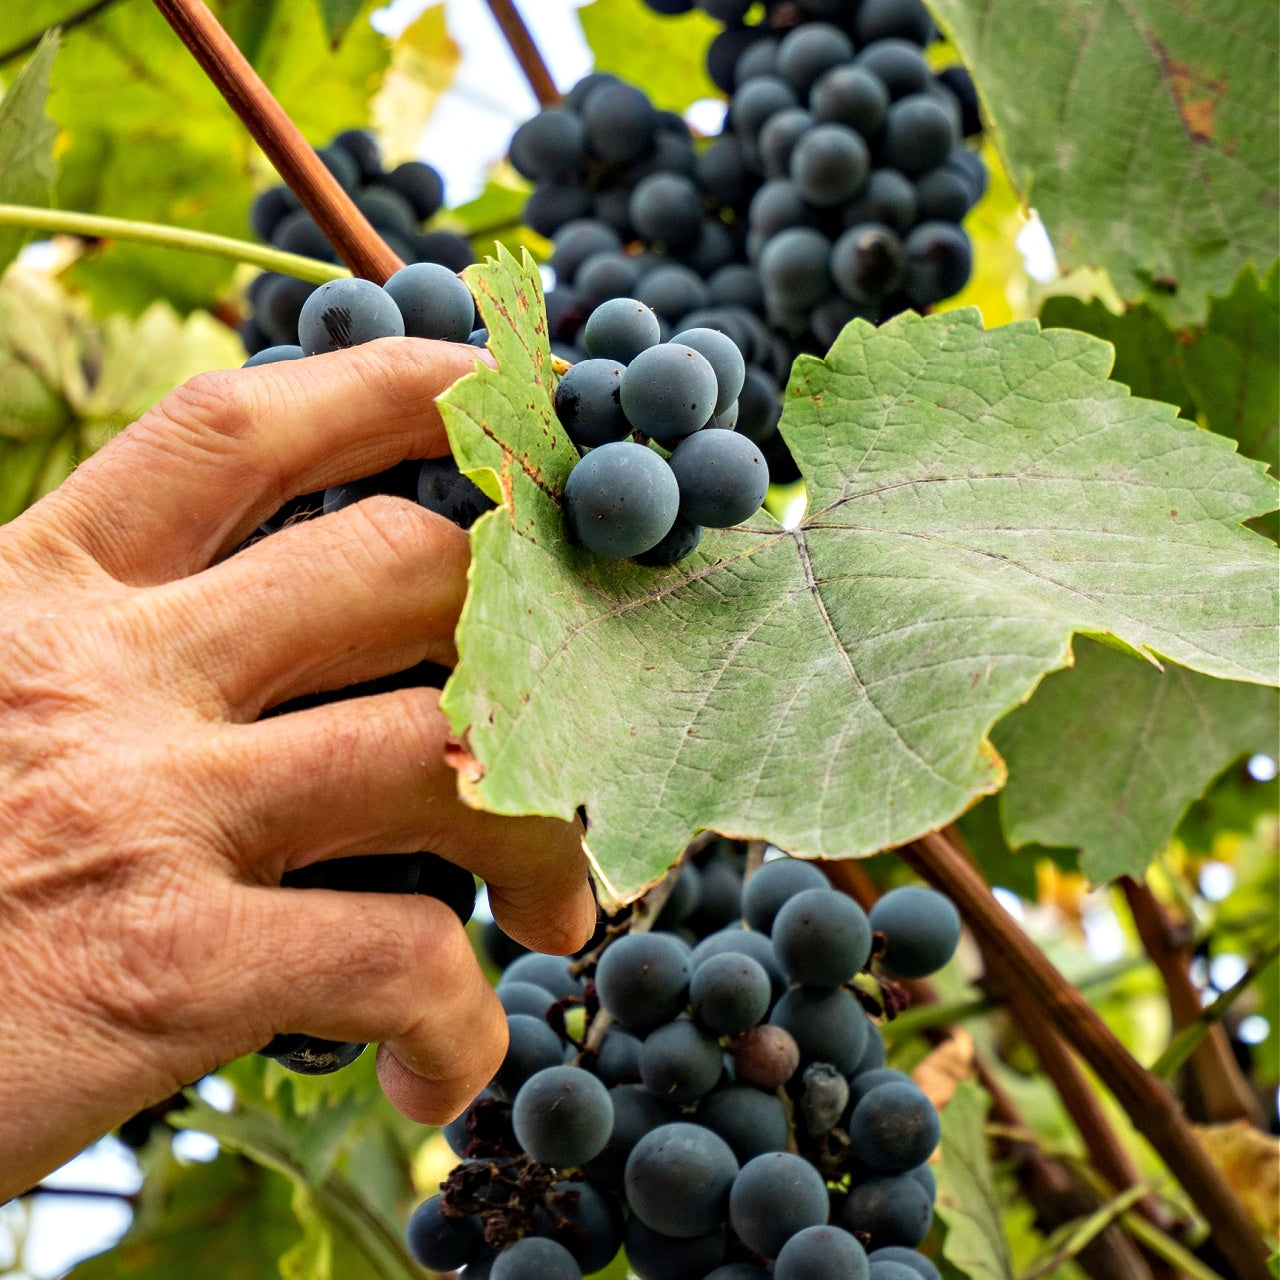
x=402, y=531
x=219, y=403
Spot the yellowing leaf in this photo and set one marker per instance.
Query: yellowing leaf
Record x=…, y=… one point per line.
x=1250, y=1162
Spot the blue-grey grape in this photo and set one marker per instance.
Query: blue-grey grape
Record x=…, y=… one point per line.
x=893, y=1128
x=346, y=313
x=921, y=929
x=643, y=979
x=729, y=993
x=563, y=1116
x=622, y=498
x=679, y=1062
x=774, y=1196
x=669, y=392
x=722, y=478
x=535, y=1258
x=822, y=938
x=890, y=1210
x=433, y=301
x=678, y=1178
x=822, y=1253
x=725, y=358
x=621, y=329
x=588, y=403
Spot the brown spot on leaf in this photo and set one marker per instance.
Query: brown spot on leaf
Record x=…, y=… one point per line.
x=1195, y=94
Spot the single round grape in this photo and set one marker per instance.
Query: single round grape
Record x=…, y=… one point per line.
x=531, y=1047
x=894, y=1210
x=420, y=184
x=550, y=146
x=867, y=263
x=554, y=204
x=760, y=58
x=944, y=194
x=730, y=994
x=894, y=1128
x=550, y=972
x=921, y=929
x=727, y=420
x=621, y=499
x=853, y=96
x=970, y=163
x=655, y=1256
x=793, y=266
x=725, y=358
x=822, y=1253
x=721, y=170
x=889, y=198
x=603, y=276
x=829, y=164
x=822, y=937
x=535, y=1258
x=563, y=1116
x=918, y=134
x=778, y=137
x=576, y=241
x=642, y=979
x=900, y=19
x=620, y=123
x=861, y=1084
x=907, y=1258
x=939, y=261
x=960, y=82
x=774, y=884
x=346, y=313
x=525, y=998
x=298, y=232
x=755, y=101
x=584, y=1219
x=750, y=1120
x=828, y=1026
x=273, y=355
x=735, y=940
x=720, y=903
x=672, y=290
x=362, y=147
x=722, y=478
x=681, y=541
x=342, y=166
x=620, y=330
x=766, y=1056
x=774, y=1196
x=679, y=1062
x=433, y=301
x=899, y=65
x=618, y=1059
x=442, y=1243
x=666, y=208
x=809, y=50
x=442, y=488
x=588, y=405
x=678, y=1179
x=387, y=210
x=668, y=392
x=777, y=206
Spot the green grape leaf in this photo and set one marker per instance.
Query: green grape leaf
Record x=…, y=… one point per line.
x=1108, y=756
x=1145, y=134
x=665, y=56
x=27, y=135
x=974, y=1241
x=147, y=135
x=975, y=498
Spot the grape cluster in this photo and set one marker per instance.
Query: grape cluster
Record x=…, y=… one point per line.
x=396, y=202
x=835, y=191
x=709, y=1095
x=625, y=499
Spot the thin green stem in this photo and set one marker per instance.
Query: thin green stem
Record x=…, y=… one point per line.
x=1183, y=1045
x=71, y=20
x=160, y=236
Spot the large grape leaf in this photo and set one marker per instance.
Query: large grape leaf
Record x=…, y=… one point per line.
x=975, y=497
x=1107, y=757
x=664, y=56
x=27, y=135
x=1145, y=133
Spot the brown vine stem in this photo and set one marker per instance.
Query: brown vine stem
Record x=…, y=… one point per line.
x=1149, y=1104
x=1054, y=1192
x=344, y=226
x=1223, y=1091
x=527, y=53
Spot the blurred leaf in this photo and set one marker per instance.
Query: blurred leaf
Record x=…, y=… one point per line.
x=1161, y=161
x=338, y=15
x=23, y=25
x=27, y=135
x=424, y=61
x=1014, y=869
x=664, y=56
x=1250, y=1163
x=945, y=1067
x=967, y=1203
x=146, y=135
x=1106, y=757
x=225, y=1220
x=958, y=533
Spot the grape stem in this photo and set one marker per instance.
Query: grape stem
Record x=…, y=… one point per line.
x=161, y=236
x=526, y=51
x=344, y=226
x=1153, y=1109
x=1216, y=1075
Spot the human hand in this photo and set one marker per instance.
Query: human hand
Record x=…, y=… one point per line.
x=147, y=813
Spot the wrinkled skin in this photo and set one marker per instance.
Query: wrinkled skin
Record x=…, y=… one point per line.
x=147, y=813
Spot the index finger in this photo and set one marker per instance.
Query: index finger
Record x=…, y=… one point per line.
x=195, y=474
